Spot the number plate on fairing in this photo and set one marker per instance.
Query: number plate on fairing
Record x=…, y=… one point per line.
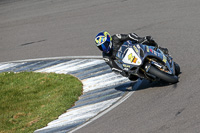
x=132, y=58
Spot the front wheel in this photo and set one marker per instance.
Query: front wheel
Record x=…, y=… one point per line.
x=177, y=69
x=164, y=76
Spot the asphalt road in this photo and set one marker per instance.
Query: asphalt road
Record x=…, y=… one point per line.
x=45, y=28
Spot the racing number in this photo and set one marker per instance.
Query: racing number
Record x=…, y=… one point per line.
x=132, y=58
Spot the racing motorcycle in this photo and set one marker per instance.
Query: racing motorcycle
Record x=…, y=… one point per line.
x=146, y=62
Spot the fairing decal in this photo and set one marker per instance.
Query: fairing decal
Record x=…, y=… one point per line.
x=132, y=58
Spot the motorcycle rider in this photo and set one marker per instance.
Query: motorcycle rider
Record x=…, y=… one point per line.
x=109, y=45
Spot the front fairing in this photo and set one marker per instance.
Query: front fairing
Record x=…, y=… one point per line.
x=158, y=54
x=129, y=57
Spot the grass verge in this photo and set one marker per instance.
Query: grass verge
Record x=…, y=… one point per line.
x=28, y=100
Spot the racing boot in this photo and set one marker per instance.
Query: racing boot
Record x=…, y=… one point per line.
x=164, y=50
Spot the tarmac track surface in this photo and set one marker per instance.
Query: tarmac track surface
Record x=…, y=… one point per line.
x=46, y=28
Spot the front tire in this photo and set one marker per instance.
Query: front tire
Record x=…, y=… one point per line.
x=177, y=69
x=164, y=76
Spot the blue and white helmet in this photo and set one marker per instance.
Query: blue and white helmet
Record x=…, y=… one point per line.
x=103, y=41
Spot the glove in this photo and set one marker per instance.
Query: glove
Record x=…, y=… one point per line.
x=148, y=38
x=150, y=41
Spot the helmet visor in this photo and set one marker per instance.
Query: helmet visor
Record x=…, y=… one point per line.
x=105, y=47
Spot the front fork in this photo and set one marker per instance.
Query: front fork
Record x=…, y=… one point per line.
x=152, y=62
x=165, y=68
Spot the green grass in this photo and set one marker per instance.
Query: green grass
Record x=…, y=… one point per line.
x=28, y=100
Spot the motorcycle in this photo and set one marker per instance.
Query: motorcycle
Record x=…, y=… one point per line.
x=146, y=62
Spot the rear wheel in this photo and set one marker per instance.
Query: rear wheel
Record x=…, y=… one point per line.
x=162, y=75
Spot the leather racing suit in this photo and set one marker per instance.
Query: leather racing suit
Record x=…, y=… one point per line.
x=117, y=41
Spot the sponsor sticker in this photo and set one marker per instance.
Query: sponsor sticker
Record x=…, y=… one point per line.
x=135, y=49
x=147, y=49
x=164, y=59
x=127, y=66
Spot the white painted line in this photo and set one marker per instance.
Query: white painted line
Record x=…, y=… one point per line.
x=60, y=66
x=106, y=84
x=81, y=66
x=8, y=65
x=57, y=58
x=88, y=108
x=95, y=79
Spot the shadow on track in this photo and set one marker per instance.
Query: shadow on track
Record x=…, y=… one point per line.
x=144, y=84
x=148, y=84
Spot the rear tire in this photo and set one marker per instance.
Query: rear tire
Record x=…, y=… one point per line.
x=163, y=76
